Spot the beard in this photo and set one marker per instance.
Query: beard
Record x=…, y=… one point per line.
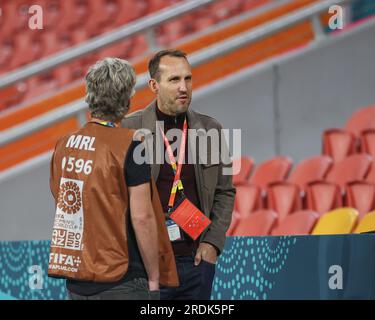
x=176, y=107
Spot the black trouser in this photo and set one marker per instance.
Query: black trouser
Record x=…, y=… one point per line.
x=195, y=281
x=136, y=289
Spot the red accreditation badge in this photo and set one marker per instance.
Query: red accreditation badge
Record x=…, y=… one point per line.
x=190, y=219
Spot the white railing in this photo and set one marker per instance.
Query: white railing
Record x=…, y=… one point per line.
x=145, y=24
x=79, y=108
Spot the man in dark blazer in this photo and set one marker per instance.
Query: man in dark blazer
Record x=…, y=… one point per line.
x=204, y=174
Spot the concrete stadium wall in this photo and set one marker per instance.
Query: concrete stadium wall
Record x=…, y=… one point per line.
x=281, y=109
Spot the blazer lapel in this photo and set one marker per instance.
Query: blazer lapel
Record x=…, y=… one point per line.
x=149, y=122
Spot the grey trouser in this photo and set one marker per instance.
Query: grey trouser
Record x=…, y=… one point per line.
x=136, y=289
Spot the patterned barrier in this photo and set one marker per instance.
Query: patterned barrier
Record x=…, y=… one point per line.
x=262, y=268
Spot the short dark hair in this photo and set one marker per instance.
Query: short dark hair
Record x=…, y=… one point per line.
x=153, y=65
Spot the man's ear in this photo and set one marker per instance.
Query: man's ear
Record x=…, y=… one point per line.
x=154, y=86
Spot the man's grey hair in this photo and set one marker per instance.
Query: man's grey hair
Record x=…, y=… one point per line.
x=109, y=86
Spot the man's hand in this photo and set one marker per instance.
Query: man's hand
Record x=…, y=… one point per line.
x=153, y=285
x=207, y=252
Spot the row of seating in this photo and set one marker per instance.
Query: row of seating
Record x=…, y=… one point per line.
x=71, y=22
x=303, y=222
x=356, y=167
x=358, y=136
x=317, y=184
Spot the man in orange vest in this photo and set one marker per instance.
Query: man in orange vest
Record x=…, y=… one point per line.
x=109, y=240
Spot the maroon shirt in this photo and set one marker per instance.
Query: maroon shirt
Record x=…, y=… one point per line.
x=166, y=174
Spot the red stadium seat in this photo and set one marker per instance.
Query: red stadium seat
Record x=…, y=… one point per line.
x=70, y=21
x=361, y=195
x=6, y=54
x=129, y=11
x=258, y=223
x=338, y=144
x=361, y=120
x=224, y=9
x=248, y=199
x=248, y=5
x=121, y=49
x=352, y=168
x=309, y=170
x=23, y=42
x=323, y=196
x=298, y=223
x=243, y=166
x=140, y=46
x=371, y=174
x=283, y=197
x=52, y=13
x=272, y=170
x=368, y=142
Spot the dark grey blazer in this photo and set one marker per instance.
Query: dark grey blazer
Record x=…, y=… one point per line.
x=215, y=190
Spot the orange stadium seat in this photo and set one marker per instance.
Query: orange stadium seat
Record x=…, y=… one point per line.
x=258, y=223
x=361, y=120
x=309, y=170
x=272, y=170
x=243, y=166
x=368, y=142
x=352, y=168
x=322, y=196
x=283, y=197
x=298, y=223
x=248, y=199
x=338, y=144
x=361, y=195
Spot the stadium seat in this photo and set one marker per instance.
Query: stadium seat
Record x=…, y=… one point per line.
x=323, y=196
x=248, y=199
x=6, y=54
x=272, y=170
x=298, y=223
x=248, y=5
x=371, y=175
x=368, y=142
x=23, y=42
x=352, y=168
x=173, y=30
x=70, y=21
x=361, y=195
x=140, y=46
x=310, y=170
x=132, y=10
x=367, y=224
x=338, y=221
x=243, y=166
x=258, y=223
x=361, y=120
x=283, y=197
x=338, y=144
x=52, y=13
x=98, y=16
x=224, y=9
